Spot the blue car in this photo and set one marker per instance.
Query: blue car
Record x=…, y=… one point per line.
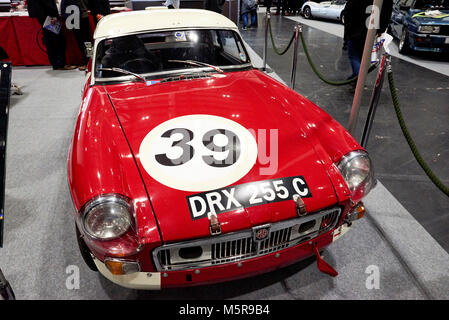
x=421, y=25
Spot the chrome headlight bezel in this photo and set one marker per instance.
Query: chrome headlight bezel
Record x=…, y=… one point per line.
x=115, y=200
x=347, y=162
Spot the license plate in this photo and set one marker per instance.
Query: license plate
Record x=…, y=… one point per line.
x=247, y=195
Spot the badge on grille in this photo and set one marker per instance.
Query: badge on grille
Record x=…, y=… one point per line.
x=262, y=232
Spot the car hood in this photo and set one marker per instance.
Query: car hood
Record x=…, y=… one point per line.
x=252, y=101
x=430, y=20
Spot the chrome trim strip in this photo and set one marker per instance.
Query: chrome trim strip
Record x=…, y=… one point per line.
x=262, y=247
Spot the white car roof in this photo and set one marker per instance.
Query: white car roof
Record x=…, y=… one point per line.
x=158, y=19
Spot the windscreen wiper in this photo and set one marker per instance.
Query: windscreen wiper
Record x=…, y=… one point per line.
x=120, y=70
x=197, y=63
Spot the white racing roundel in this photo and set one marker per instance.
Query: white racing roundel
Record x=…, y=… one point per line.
x=198, y=152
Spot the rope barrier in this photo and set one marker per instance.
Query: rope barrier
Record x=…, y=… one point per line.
x=279, y=52
x=409, y=138
x=309, y=59
x=317, y=72
x=438, y=183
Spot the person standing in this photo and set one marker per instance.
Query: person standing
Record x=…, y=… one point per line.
x=281, y=6
x=249, y=7
x=54, y=42
x=99, y=8
x=214, y=5
x=81, y=31
x=357, y=13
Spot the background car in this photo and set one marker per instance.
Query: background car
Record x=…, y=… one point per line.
x=421, y=25
x=327, y=10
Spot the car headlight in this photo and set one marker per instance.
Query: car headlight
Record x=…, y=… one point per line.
x=107, y=217
x=429, y=29
x=357, y=170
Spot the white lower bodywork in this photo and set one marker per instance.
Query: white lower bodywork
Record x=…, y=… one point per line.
x=136, y=280
x=341, y=230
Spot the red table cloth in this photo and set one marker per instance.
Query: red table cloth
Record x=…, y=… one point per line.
x=21, y=38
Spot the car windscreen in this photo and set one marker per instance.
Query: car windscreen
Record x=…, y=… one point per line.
x=159, y=52
x=431, y=4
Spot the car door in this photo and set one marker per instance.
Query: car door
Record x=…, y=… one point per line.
x=324, y=8
x=400, y=9
x=335, y=9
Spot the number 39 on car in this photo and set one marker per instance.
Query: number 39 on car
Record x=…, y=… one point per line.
x=189, y=166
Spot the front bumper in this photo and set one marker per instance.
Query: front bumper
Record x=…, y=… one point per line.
x=224, y=272
x=429, y=42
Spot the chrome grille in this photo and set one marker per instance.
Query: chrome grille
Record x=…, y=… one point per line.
x=239, y=246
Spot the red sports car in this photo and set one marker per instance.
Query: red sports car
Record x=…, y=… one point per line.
x=189, y=166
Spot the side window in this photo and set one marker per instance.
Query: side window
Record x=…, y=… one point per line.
x=231, y=46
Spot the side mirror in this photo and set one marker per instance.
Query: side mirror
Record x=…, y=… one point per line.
x=89, y=49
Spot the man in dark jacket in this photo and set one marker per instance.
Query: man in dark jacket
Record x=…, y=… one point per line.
x=99, y=8
x=81, y=31
x=357, y=14
x=214, y=5
x=55, y=43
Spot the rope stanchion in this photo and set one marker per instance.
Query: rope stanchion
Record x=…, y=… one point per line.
x=309, y=58
x=279, y=52
x=317, y=72
x=438, y=183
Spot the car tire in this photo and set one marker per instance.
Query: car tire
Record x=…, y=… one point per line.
x=307, y=12
x=85, y=251
x=404, y=46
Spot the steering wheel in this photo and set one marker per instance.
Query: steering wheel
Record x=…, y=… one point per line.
x=140, y=65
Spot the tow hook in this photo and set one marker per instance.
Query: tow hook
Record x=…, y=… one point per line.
x=322, y=265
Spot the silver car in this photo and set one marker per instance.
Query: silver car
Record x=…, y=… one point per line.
x=328, y=10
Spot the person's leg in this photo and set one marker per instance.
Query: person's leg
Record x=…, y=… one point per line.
x=52, y=43
x=268, y=4
x=284, y=6
x=296, y=7
x=245, y=20
x=254, y=18
x=354, y=56
x=82, y=35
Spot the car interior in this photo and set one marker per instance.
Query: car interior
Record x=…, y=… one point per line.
x=156, y=52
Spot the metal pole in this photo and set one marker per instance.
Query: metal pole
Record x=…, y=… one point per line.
x=298, y=29
x=366, y=59
x=374, y=102
x=265, y=45
x=238, y=13
x=5, y=92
